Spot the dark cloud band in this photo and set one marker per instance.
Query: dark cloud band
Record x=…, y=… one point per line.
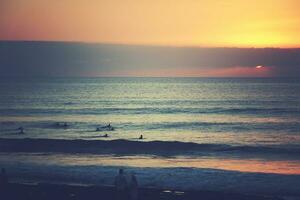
x=76, y=59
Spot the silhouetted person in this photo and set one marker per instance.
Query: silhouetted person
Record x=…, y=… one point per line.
x=105, y=135
x=141, y=137
x=3, y=178
x=4, y=187
x=121, y=186
x=133, y=188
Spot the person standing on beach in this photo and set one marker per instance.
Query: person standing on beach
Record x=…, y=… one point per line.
x=3, y=178
x=121, y=186
x=3, y=184
x=133, y=188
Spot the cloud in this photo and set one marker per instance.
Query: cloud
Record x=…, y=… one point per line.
x=84, y=59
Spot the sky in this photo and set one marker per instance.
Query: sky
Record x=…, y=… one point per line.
x=151, y=38
x=230, y=23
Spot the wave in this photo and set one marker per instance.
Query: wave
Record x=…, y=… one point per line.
x=207, y=126
x=290, y=128
x=149, y=110
x=226, y=126
x=135, y=147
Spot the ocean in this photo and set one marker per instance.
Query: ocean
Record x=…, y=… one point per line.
x=227, y=134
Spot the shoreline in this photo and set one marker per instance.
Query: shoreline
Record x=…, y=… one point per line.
x=51, y=191
x=226, y=184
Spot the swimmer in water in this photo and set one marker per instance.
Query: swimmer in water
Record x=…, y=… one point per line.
x=21, y=130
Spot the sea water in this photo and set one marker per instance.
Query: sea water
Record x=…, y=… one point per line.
x=256, y=119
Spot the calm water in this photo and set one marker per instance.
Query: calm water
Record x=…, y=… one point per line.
x=231, y=111
x=260, y=114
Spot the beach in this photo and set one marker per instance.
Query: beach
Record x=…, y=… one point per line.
x=72, y=192
x=157, y=165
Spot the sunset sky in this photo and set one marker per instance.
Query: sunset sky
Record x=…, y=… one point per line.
x=178, y=23
x=238, y=23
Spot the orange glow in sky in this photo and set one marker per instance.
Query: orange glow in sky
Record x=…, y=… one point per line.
x=239, y=23
x=224, y=72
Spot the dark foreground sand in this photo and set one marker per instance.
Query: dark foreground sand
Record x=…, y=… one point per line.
x=70, y=192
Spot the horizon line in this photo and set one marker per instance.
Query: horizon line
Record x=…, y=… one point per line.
x=215, y=77
x=148, y=45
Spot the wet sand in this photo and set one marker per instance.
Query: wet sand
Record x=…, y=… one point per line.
x=17, y=191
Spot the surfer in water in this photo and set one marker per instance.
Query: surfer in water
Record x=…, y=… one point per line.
x=21, y=129
x=108, y=127
x=141, y=137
